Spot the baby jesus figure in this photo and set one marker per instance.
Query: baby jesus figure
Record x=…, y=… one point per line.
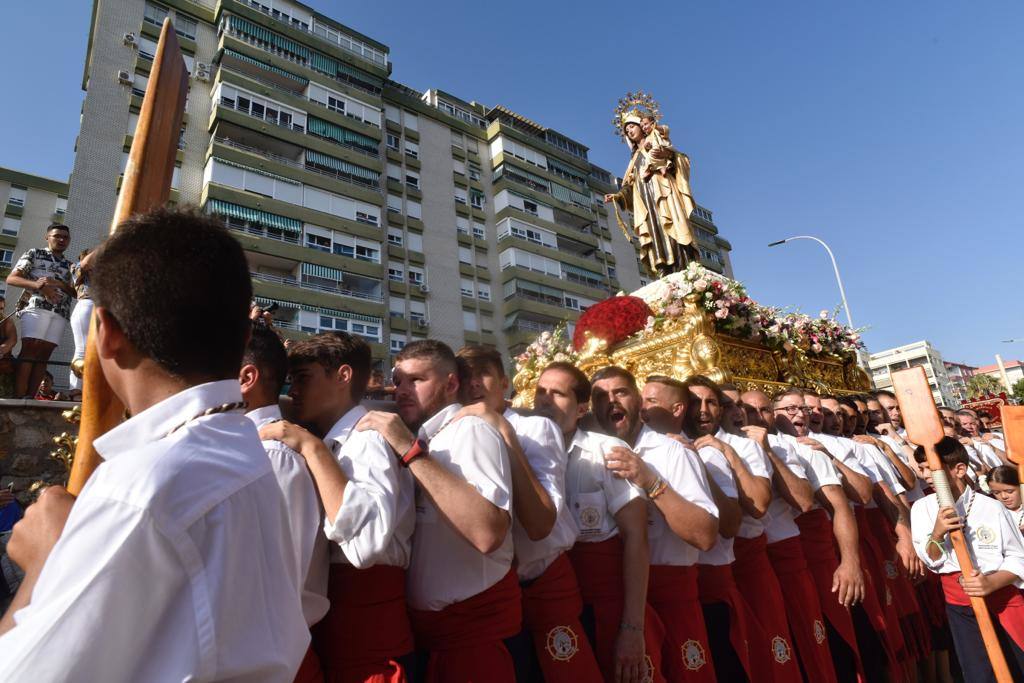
x=655, y=136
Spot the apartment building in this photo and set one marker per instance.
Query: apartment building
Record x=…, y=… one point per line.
x=882, y=364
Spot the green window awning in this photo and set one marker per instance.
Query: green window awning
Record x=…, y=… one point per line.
x=567, y=170
x=332, y=67
x=326, y=129
x=582, y=272
x=320, y=159
x=325, y=272
x=343, y=314
x=244, y=213
x=570, y=196
x=264, y=301
x=267, y=36
x=532, y=177
x=263, y=65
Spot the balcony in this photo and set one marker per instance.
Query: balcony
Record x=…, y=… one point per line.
x=305, y=283
x=262, y=231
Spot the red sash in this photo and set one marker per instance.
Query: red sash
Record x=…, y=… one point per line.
x=818, y=543
x=715, y=583
x=465, y=638
x=878, y=599
x=366, y=629
x=551, y=612
x=805, y=617
x=672, y=592
x=760, y=587
x=599, y=573
x=309, y=671
x=1007, y=604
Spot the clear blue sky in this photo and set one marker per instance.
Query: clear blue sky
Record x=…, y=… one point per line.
x=891, y=130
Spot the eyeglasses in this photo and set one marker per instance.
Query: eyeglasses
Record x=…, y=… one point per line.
x=792, y=410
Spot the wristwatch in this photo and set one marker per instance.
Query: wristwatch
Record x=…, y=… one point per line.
x=418, y=449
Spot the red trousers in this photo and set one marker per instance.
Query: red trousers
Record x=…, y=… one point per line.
x=672, y=592
x=309, y=671
x=367, y=628
x=465, y=638
x=879, y=600
x=760, y=587
x=818, y=543
x=715, y=584
x=806, y=621
x=551, y=613
x=599, y=572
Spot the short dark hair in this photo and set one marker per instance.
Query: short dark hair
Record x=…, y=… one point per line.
x=672, y=383
x=580, y=383
x=702, y=381
x=613, y=372
x=1004, y=474
x=477, y=356
x=790, y=391
x=430, y=349
x=810, y=392
x=848, y=402
x=58, y=226
x=729, y=386
x=178, y=285
x=331, y=350
x=883, y=392
x=951, y=452
x=266, y=351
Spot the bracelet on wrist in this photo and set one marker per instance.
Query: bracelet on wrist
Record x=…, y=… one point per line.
x=626, y=626
x=654, y=486
x=419, y=449
x=660, y=489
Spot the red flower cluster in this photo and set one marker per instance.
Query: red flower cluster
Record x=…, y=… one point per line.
x=613, y=320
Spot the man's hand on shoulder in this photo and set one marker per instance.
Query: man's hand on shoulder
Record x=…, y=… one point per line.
x=625, y=464
x=757, y=434
x=389, y=426
x=290, y=434
x=38, y=531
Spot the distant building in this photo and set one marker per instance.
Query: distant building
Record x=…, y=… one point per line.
x=883, y=363
x=959, y=375
x=1014, y=372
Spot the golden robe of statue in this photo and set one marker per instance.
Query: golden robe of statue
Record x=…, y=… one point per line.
x=656, y=190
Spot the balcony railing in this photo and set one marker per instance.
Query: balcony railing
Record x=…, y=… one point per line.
x=304, y=284
x=231, y=104
x=531, y=326
x=263, y=232
x=336, y=175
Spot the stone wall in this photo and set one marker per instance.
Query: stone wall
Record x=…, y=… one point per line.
x=27, y=429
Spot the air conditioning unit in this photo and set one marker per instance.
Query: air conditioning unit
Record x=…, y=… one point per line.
x=424, y=288
x=202, y=72
x=130, y=40
x=124, y=77
x=422, y=323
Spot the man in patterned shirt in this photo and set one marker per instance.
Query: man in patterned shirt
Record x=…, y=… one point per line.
x=45, y=275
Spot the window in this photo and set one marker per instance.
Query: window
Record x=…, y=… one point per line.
x=483, y=291
x=462, y=225
x=6, y=259
x=466, y=286
x=461, y=196
x=357, y=248
x=465, y=256
x=147, y=47
x=412, y=150
x=394, y=142
x=415, y=241
x=62, y=205
x=413, y=209
x=392, y=114
x=396, y=273
x=155, y=14
x=611, y=272
x=396, y=237
x=396, y=307
x=368, y=218
x=416, y=275
x=411, y=121
x=457, y=139
x=397, y=342
x=469, y=321
x=185, y=26
x=530, y=207
x=318, y=238
x=412, y=180
x=394, y=203
x=459, y=166
x=253, y=105
x=11, y=226
x=477, y=199
x=17, y=196
x=478, y=231
x=395, y=173
x=474, y=171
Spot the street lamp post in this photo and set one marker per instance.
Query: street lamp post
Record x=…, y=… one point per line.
x=839, y=280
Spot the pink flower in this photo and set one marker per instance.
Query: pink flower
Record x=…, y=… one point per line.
x=722, y=313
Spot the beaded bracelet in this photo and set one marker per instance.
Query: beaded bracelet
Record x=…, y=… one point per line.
x=932, y=541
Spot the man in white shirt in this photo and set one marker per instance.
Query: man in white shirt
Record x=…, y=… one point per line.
x=369, y=513
x=263, y=374
x=682, y=519
x=610, y=557
x=543, y=530
x=179, y=544
x=463, y=594
x=991, y=447
x=997, y=551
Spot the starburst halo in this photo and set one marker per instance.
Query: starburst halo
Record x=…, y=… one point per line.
x=638, y=102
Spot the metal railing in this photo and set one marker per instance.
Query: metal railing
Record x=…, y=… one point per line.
x=231, y=104
x=305, y=284
x=263, y=232
x=302, y=166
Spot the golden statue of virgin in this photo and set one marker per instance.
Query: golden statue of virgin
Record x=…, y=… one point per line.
x=655, y=188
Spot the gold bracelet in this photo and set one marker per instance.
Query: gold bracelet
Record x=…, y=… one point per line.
x=662, y=487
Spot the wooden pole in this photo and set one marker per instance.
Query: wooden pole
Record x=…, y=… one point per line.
x=1013, y=430
x=146, y=185
x=924, y=427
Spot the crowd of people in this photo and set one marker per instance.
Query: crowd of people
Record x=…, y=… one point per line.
x=55, y=293
x=627, y=529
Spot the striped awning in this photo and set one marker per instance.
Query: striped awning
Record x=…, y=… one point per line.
x=267, y=36
x=333, y=67
x=244, y=213
x=265, y=301
x=259, y=171
x=326, y=129
x=582, y=272
x=320, y=159
x=320, y=309
x=568, y=170
x=263, y=65
x=533, y=177
x=325, y=272
x=570, y=196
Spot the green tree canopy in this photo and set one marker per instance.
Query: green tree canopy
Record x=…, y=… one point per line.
x=980, y=385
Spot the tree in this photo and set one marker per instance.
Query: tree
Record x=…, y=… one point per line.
x=1018, y=391
x=980, y=385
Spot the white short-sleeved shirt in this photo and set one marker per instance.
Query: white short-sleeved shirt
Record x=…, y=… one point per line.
x=375, y=522
x=304, y=513
x=843, y=451
x=886, y=470
x=757, y=462
x=681, y=468
x=817, y=466
x=721, y=473
x=989, y=456
x=542, y=442
x=780, y=519
x=445, y=567
x=917, y=492
x=593, y=493
x=179, y=549
x=991, y=531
